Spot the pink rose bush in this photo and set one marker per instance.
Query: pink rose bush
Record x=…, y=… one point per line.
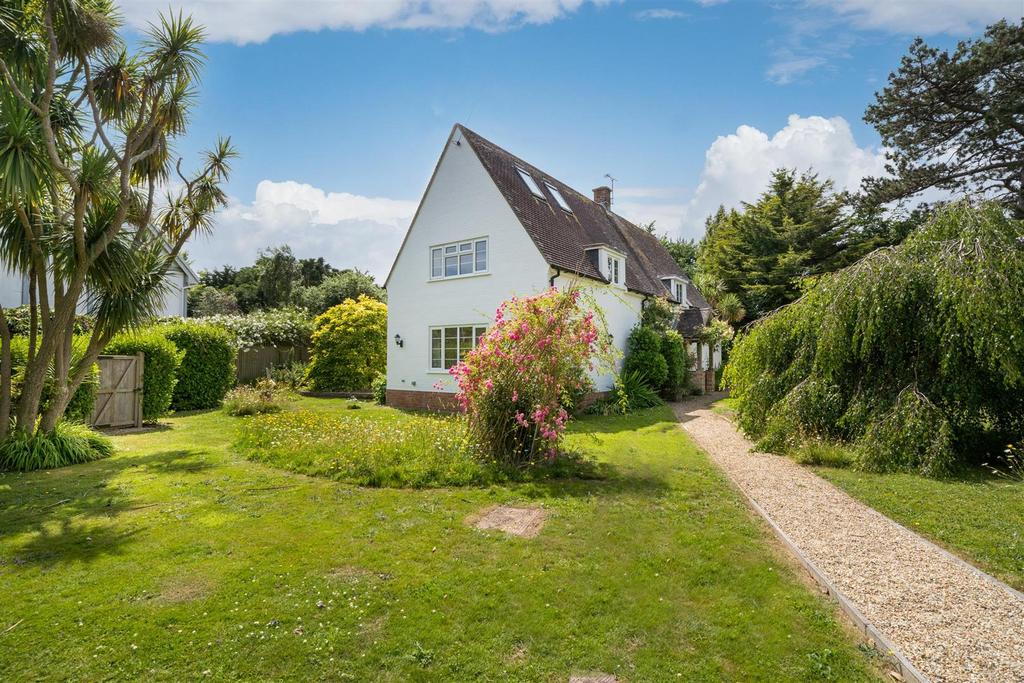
x=518, y=384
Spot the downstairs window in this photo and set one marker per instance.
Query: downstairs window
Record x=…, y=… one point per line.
x=449, y=345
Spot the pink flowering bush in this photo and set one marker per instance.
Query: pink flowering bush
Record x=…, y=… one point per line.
x=518, y=385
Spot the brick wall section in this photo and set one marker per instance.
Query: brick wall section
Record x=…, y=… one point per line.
x=437, y=401
x=442, y=402
x=703, y=380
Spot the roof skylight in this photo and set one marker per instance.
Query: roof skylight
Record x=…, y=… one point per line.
x=559, y=199
x=530, y=183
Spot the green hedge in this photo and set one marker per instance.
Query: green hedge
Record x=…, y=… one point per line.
x=159, y=371
x=643, y=355
x=81, y=404
x=207, y=369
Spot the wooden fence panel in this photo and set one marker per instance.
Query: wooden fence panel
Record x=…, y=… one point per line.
x=119, y=400
x=253, y=363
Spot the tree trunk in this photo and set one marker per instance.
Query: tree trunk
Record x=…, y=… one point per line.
x=49, y=346
x=58, y=404
x=5, y=376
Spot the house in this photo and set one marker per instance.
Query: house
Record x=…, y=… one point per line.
x=490, y=226
x=180, y=277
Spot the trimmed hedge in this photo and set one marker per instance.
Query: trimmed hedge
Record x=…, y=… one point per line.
x=643, y=356
x=678, y=362
x=159, y=371
x=81, y=404
x=207, y=369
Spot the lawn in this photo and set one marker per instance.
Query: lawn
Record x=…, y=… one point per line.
x=178, y=559
x=978, y=516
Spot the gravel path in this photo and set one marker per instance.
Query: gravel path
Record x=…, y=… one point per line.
x=951, y=622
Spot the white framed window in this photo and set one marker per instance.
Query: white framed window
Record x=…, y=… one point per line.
x=530, y=183
x=458, y=258
x=559, y=199
x=614, y=274
x=679, y=291
x=450, y=344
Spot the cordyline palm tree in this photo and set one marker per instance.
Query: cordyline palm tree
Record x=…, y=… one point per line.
x=85, y=142
x=727, y=306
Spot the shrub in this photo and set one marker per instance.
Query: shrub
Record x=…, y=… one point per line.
x=280, y=327
x=678, y=364
x=81, y=405
x=159, y=369
x=913, y=355
x=823, y=453
x=515, y=385
x=291, y=375
x=207, y=369
x=19, y=321
x=633, y=392
x=380, y=388
x=643, y=356
x=266, y=396
x=69, y=444
x=349, y=346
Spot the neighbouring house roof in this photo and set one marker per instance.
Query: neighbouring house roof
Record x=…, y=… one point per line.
x=564, y=237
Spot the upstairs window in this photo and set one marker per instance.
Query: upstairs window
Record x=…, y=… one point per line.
x=458, y=258
x=559, y=199
x=679, y=291
x=531, y=184
x=613, y=269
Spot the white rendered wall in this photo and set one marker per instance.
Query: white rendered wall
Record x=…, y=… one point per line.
x=173, y=303
x=11, y=289
x=461, y=203
x=622, y=311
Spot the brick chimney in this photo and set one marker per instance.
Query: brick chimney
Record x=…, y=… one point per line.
x=603, y=196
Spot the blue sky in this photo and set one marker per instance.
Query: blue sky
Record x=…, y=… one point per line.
x=340, y=109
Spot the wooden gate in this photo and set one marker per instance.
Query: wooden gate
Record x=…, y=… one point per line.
x=119, y=401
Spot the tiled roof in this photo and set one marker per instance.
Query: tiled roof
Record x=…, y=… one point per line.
x=691, y=320
x=562, y=237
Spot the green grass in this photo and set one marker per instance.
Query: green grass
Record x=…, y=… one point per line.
x=976, y=516
x=725, y=406
x=382, y=447
x=178, y=559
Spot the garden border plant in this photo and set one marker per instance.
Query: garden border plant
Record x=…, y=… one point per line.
x=517, y=386
x=914, y=355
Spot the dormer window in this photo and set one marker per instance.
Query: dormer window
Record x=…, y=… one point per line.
x=676, y=287
x=530, y=183
x=613, y=269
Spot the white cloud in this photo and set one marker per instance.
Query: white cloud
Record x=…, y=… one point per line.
x=958, y=17
x=347, y=230
x=653, y=14
x=737, y=167
x=254, y=21
x=786, y=70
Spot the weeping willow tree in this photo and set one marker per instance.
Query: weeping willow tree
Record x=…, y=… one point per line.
x=86, y=133
x=915, y=354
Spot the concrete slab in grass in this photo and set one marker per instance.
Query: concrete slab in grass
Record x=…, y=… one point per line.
x=518, y=521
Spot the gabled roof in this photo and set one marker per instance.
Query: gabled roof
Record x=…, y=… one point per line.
x=563, y=237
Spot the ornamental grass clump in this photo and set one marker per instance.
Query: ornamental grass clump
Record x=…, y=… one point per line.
x=518, y=385
x=914, y=356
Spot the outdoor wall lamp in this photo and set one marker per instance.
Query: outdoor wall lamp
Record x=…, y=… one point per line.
x=398, y=341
